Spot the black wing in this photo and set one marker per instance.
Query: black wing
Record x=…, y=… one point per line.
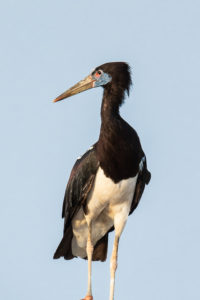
x=79, y=185
x=144, y=177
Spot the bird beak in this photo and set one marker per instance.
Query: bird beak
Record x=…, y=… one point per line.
x=83, y=85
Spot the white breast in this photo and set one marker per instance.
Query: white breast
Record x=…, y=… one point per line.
x=108, y=204
x=107, y=193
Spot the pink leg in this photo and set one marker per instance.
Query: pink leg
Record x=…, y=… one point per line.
x=113, y=267
x=89, y=250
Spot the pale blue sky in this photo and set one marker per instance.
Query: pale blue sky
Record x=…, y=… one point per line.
x=46, y=46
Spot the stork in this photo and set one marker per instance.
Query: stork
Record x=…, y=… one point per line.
x=107, y=182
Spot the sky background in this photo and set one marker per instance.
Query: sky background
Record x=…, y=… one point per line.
x=47, y=46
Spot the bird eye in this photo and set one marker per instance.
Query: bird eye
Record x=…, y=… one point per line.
x=98, y=73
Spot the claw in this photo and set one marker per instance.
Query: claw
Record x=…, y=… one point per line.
x=88, y=298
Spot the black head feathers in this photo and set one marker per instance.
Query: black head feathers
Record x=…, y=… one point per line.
x=121, y=79
x=120, y=73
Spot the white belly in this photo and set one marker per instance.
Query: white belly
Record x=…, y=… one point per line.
x=108, y=204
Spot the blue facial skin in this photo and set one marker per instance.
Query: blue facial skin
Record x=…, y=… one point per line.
x=102, y=80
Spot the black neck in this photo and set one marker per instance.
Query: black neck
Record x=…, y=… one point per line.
x=110, y=117
x=117, y=141
x=112, y=99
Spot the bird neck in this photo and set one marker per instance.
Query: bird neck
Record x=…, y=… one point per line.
x=111, y=121
x=117, y=141
x=110, y=106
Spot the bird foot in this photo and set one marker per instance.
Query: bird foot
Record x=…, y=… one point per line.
x=88, y=298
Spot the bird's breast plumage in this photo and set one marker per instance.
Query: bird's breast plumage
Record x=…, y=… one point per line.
x=108, y=203
x=106, y=192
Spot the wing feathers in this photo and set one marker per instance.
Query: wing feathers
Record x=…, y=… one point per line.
x=78, y=187
x=144, y=177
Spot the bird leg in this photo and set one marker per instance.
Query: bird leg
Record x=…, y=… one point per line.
x=113, y=266
x=89, y=250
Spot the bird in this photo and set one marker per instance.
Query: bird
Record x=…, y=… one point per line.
x=107, y=182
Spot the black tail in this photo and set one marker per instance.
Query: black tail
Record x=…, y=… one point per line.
x=65, y=248
x=101, y=248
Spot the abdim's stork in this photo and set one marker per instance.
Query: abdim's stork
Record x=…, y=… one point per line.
x=107, y=182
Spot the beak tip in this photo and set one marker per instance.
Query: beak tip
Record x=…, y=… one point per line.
x=81, y=86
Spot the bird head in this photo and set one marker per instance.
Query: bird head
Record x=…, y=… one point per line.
x=113, y=76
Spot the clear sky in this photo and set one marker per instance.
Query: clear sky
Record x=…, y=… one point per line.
x=47, y=46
